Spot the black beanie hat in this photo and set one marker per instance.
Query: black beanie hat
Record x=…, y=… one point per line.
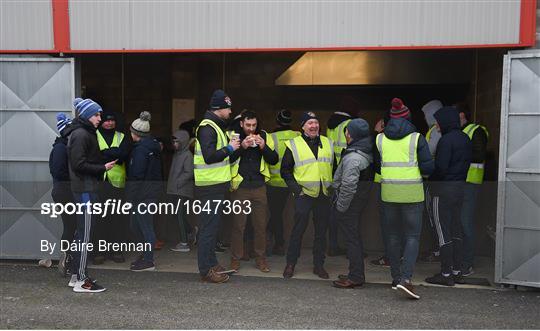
x=284, y=117
x=220, y=100
x=108, y=115
x=307, y=116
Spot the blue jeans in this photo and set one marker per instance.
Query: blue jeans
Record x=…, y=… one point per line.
x=468, y=210
x=142, y=226
x=403, y=224
x=208, y=232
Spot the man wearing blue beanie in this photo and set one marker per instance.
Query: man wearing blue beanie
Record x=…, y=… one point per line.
x=86, y=168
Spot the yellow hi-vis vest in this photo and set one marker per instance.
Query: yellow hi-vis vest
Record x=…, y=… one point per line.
x=278, y=139
x=476, y=170
x=215, y=173
x=428, y=134
x=236, y=178
x=117, y=174
x=309, y=171
x=401, y=181
x=337, y=135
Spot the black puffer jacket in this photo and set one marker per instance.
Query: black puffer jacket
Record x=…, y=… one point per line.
x=454, y=150
x=59, y=167
x=144, y=177
x=86, y=164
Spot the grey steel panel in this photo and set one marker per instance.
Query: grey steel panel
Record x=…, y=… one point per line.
x=32, y=91
x=221, y=24
x=517, y=259
x=26, y=25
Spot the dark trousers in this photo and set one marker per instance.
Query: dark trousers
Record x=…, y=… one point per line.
x=181, y=217
x=111, y=228
x=69, y=221
x=277, y=198
x=468, y=221
x=349, y=223
x=320, y=207
x=431, y=217
x=447, y=211
x=85, y=221
x=209, y=223
x=142, y=226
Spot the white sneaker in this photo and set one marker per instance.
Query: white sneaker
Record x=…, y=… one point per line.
x=87, y=286
x=73, y=280
x=181, y=247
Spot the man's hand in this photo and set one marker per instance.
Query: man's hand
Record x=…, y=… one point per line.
x=260, y=141
x=247, y=142
x=235, y=144
x=109, y=165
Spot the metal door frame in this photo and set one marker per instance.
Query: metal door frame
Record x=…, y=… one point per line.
x=503, y=170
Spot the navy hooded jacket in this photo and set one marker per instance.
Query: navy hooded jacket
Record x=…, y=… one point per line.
x=454, y=150
x=398, y=128
x=144, y=177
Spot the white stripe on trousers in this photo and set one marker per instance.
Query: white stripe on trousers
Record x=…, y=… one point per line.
x=84, y=252
x=437, y=221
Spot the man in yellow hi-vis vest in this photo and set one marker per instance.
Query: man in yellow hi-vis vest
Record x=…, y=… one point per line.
x=335, y=131
x=478, y=135
x=114, y=146
x=249, y=174
x=212, y=180
x=402, y=158
x=277, y=190
x=307, y=170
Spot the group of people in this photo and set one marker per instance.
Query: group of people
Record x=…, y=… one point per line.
x=329, y=176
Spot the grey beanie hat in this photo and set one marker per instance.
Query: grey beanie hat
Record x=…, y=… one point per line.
x=141, y=126
x=358, y=128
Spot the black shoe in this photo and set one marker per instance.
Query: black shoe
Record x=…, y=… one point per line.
x=395, y=283
x=143, y=265
x=88, y=286
x=458, y=279
x=439, y=279
x=220, y=248
x=139, y=258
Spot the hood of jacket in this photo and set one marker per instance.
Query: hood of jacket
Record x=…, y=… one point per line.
x=82, y=123
x=182, y=136
x=211, y=116
x=336, y=118
x=60, y=140
x=150, y=144
x=398, y=128
x=448, y=119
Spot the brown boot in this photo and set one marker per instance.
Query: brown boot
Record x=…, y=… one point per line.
x=218, y=268
x=319, y=271
x=289, y=271
x=235, y=264
x=262, y=265
x=213, y=277
x=346, y=283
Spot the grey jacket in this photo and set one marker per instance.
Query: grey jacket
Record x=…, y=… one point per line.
x=347, y=176
x=181, y=178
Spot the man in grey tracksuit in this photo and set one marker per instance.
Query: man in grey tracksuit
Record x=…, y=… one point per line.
x=351, y=185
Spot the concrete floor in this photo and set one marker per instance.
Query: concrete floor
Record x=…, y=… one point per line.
x=169, y=261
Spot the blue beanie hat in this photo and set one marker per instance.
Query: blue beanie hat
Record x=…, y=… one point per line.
x=220, y=100
x=358, y=128
x=86, y=108
x=62, y=121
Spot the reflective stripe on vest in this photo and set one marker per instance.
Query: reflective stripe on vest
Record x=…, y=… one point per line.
x=214, y=173
x=278, y=139
x=337, y=135
x=236, y=178
x=401, y=181
x=428, y=134
x=117, y=174
x=475, y=175
x=311, y=172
